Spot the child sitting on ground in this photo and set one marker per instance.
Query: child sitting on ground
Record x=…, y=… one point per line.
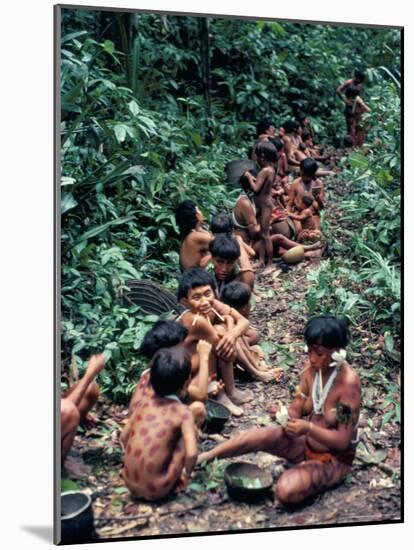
x=166, y=334
x=237, y=295
x=209, y=319
x=222, y=224
x=228, y=263
x=194, y=239
x=309, y=224
x=161, y=446
x=306, y=184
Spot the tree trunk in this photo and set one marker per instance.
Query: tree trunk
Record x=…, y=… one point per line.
x=203, y=26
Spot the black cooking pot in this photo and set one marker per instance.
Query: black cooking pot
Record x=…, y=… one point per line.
x=217, y=415
x=76, y=518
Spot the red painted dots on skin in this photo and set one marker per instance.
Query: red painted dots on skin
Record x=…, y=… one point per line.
x=150, y=417
x=168, y=422
x=143, y=431
x=154, y=449
x=150, y=467
x=126, y=471
x=137, y=453
x=129, y=449
x=141, y=464
x=136, y=476
x=132, y=433
x=186, y=415
x=138, y=418
x=147, y=441
x=174, y=408
x=161, y=433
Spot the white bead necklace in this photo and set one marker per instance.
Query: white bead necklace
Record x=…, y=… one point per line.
x=320, y=394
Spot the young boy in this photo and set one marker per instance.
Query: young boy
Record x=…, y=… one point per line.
x=262, y=188
x=74, y=409
x=228, y=262
x=161, y=445
x=194, y=239
x=237, y=295
x=196, y=291
x=222, y=223
x=167, y=334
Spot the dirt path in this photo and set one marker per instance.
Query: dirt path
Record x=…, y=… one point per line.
x=371, y=493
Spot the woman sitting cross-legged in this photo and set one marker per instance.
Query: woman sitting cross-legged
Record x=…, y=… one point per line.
x=319, y=436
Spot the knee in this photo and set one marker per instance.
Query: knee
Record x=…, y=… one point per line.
x=286, y=490
x=69, y=416
x=92, y=393
x=198, y=411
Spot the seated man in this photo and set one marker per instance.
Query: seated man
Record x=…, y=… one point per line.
x=74, y=408
x=194, y=238
x=208, y=319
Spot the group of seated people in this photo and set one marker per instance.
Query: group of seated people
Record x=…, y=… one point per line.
x=193, y=358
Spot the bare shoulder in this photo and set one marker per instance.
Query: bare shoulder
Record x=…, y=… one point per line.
x=221, y=308
x=350, y=376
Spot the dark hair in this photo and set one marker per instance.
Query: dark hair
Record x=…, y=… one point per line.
x=359, y=75
x=307, y=200
x=236, y=294
x=301, y=117
x=278, y=143
x=225, y=247
x=302, y=146
x=328, y=331
x=306, y=134
x=268, y=150
x=186, y=217
x=290, y=125
x=348, y=141
x=221, y=223
x=164, y=334
x=309, y=166
x=170, y=369
x=193, y=278
x=351, y=92
x=263, y=125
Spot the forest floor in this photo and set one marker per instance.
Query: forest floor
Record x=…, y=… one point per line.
x=370, y=493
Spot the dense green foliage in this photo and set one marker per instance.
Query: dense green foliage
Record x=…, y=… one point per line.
x=137, y=138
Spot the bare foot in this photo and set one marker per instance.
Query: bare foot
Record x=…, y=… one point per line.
x=269, y=269
x=313, y=246
x=257, y=351
x=239, y=397
x=263, y=366
x=76, y=468
x=224, y=400
x=268, y=375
